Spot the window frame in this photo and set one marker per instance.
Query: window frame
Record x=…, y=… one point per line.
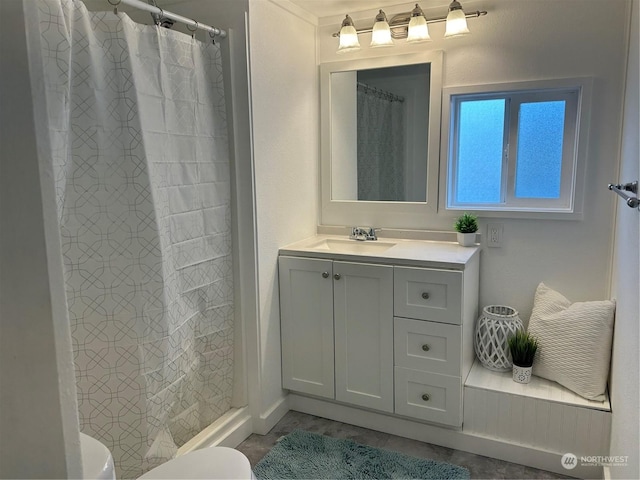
x=577, y=92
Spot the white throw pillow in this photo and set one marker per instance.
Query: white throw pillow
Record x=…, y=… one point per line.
x=574, y=341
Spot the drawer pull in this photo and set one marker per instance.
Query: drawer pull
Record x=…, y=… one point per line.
x=325, y=274
x=426, y=397
x=337, y=276
x=425, y=295
x=426, y=347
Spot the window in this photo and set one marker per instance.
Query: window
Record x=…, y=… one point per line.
x=513, y=150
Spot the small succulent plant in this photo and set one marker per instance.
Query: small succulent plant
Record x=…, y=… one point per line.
x=523, y=348
x=466, y=223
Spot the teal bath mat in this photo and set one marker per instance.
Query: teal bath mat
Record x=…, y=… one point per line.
x=305, y=455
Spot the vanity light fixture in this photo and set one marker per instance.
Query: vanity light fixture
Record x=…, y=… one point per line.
x=348, y=36
x=381, y=33
x=418, y=30
x=410, y=25
x=456, y=21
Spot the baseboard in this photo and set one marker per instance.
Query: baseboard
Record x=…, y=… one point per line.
x=451, y=438
x=228, y=431
x=268, y=420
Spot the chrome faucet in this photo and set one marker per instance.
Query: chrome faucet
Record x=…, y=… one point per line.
x=363, y=233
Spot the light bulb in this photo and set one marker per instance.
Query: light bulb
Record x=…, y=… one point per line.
x=381, y=33
x=348, y=37
x=418, y=29
x=456, y=21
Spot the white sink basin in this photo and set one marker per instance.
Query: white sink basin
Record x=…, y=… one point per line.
x=352, y=246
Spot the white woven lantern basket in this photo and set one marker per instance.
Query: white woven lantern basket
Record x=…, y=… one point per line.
x=495, y=325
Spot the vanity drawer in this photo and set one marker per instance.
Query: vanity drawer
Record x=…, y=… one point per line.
x=428, y=396
x=428, y=294
x=430, y=346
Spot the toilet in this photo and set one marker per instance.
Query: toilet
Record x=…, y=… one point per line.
x=97, y=462
x=211, y=463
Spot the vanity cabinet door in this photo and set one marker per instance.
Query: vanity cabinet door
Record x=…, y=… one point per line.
x=306, y=325
x=363, y=310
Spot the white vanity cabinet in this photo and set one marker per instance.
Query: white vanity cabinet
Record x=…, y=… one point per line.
x=342, y=310
x=432, y=351
x=381, y=331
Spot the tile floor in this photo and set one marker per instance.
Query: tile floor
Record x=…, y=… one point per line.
x=256, y=446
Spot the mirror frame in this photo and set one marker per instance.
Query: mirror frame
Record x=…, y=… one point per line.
x=381, y=214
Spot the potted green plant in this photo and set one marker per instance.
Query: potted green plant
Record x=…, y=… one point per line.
x=523, y=349
x=466, y=225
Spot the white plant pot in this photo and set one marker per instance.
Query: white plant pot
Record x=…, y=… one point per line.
x=521, y=374
x=467, y=239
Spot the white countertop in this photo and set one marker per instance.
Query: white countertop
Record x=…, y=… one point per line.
x=413, y=253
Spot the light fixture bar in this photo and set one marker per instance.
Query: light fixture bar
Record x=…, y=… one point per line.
x=402, y=20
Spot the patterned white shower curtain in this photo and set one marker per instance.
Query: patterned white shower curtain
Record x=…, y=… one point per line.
x=381, y=140
x=132, y=118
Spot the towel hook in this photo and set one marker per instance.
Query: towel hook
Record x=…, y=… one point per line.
x=622, y=188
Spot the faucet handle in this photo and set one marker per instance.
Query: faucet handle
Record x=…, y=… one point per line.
x=357, y=233
x=370, y=232
x=363, y=233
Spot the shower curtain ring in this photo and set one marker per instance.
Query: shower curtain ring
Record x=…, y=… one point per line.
x=194, y=30
x=115, y=6
x=213, y=37
x=159, y=17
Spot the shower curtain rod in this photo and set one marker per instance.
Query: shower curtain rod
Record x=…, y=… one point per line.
x=213, y=31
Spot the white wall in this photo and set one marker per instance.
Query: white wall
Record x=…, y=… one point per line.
x=39, y=435
x=344, y=128
x=519, y=41
x=625, y=397
x=285, y=109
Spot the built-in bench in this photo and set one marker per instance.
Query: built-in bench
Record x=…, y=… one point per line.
x=542, y=415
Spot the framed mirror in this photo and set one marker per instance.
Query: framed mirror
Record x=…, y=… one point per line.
x=380, y=139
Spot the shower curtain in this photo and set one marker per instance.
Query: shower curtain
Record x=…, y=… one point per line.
x=132, y=118
x=381, y=139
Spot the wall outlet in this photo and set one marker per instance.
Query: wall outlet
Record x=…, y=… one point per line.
x=495, y=233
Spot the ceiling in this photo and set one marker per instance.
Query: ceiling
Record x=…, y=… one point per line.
x=318, y=8
x=328, y=8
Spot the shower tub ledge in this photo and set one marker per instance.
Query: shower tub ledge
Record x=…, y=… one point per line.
x=230, y=430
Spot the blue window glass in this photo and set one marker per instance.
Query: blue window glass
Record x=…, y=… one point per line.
x=480, y=144
x=539, y=160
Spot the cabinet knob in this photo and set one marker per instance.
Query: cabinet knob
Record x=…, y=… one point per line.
x=325, y=274
x=425, y=295
x=426, y=347
x=337, y=276
x=426, y=397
